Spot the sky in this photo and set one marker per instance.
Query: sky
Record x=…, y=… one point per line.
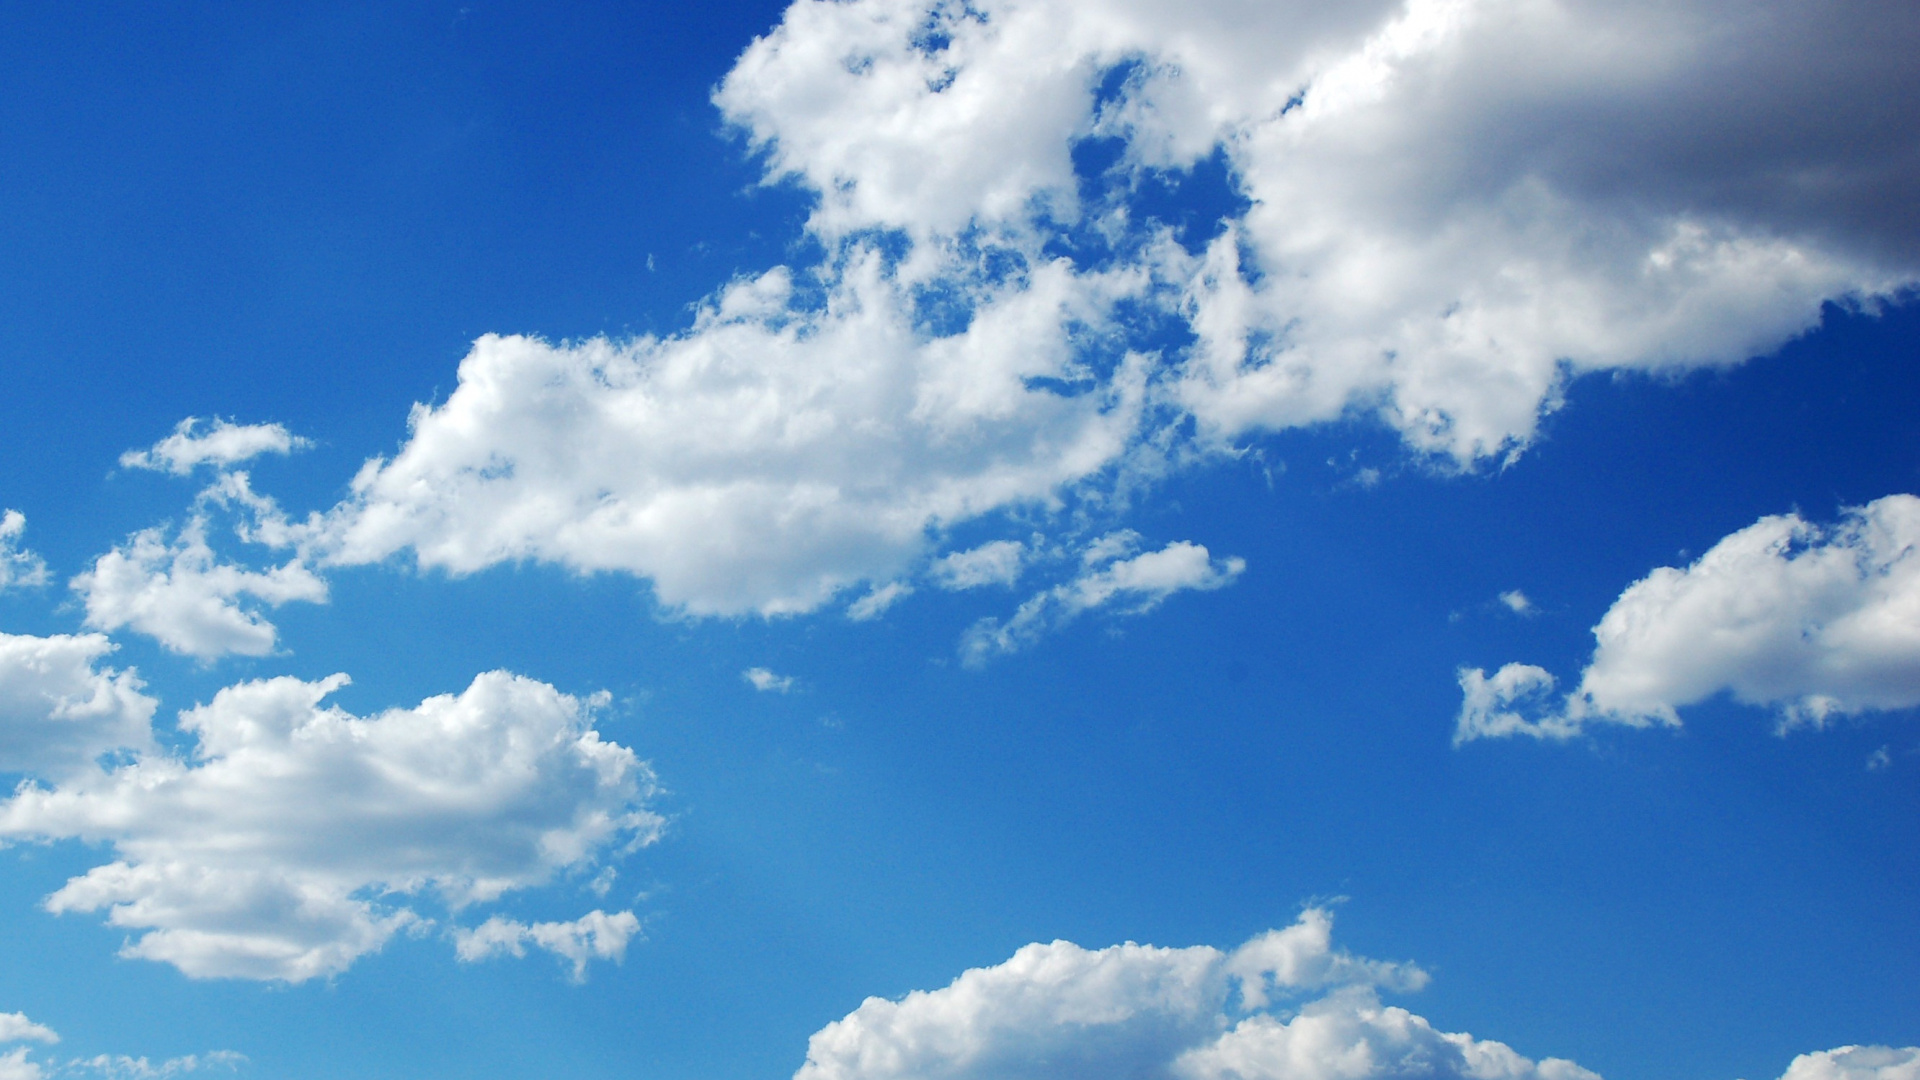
x=892, y=539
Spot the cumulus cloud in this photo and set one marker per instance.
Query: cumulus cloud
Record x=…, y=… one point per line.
x=1435, y=212
x=1857, y=1063
x=997, y=562
x=180, y=593
x=223, y=443
x=878, y=600
x=15, y=1027
x=14, y=1065
x=766, y=681
x=18, y=566
x=60, y=710
x=1133, y=585
x=1811, y=621
x=1285, y=1006
x=595, y=935
x=298, y=837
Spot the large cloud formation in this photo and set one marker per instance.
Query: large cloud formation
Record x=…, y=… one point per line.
x=1809, y=621
x=1284, y=1006
x=1434, y=212
x=297, y=836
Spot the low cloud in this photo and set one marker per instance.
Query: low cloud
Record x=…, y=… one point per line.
x=297, y=837
x=60, y=709
x=766, y=681
x=177, y=591
x=18, y=566
x=1283, y=1006
x=593, y=936
x=1130, y=585
x=1857, y=1063
x=997, y=562
x=1812, y=622
x=222, y=444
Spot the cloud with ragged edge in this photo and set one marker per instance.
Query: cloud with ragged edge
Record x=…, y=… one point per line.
x=17, y=1064
x=1812, y=622
x=295, y=837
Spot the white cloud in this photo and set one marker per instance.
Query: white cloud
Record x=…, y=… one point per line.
x=59, y=712
x=15, y=1066
x=996, y=562
x=1814, y=622
x=595, y=935
x=181, y=594
x=878, y=600
x=1451, y=207
x=122, y=1067
x=766, y=681
x=1059, y=1011
x=1517, y=602
x=18, y=567
x=15, y=1027
x=224, y=443
x=1857, y=1063
x=297, y=836
x=1137, y=584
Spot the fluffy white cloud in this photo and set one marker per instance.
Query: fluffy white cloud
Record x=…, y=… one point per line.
x=224, y=443
x=1137, y=584
x=996, y=562
x=297, y=835
x=181, y=594
x=1447, y=208
x=1857, y=1063
x=1060, y=1011
x=59, y=711
x=18, y=567
x=595, y=935
x=15, y=1027
x=1812, y=621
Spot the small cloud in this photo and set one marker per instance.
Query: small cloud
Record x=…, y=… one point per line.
x=17, y=565
x=593, y=936
x=766, y=681
x=15, y=1027
x=879, y=600
x=1517, y=602
x=223, y=443
x=1879, y=760
x=997, y=563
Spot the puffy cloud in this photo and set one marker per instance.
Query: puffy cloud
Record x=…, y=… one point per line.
x=18, y=567
x=878, y=600
x=181, y=594
x=1060, y=1011
x=1857, y=1063
x=59, y=711
x=297, y=836
x=1811, y=621
x=1137, y=584
x=595, y=935
x=224, y=443
x=15, y=1027
x=997, y=562
x=1435, y=211
x=766, y=681
x=1517, y=602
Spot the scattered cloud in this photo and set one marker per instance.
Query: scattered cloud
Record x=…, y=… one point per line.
x=15, y=1027
x=59, y=710
x=1857, y=1063
x=224, y=443
x=1132, y=585
x=766, y=681
x=18, y=566
x=14, y=1065
x=997, y=562
x=1517, y=602
x=595, y=935
x=180, y=593
x=1420, y=220
x=1283, y=1006
x=1813, y=622
x=878, y=600
x=296, y=837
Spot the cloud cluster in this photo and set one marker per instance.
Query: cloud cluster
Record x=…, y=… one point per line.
x=18, y=566
x=177, y=591
x=1110, y=574
x=595, y=935
x=297, y=837
x=15, y=1065
x=1433, y=212
x=1061, y=1011
x=1857, y=1063
x=60, y=710
x=1813, y=622
x=222, y=445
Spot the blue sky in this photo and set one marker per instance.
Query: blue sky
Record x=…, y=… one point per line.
x=1403, y=511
